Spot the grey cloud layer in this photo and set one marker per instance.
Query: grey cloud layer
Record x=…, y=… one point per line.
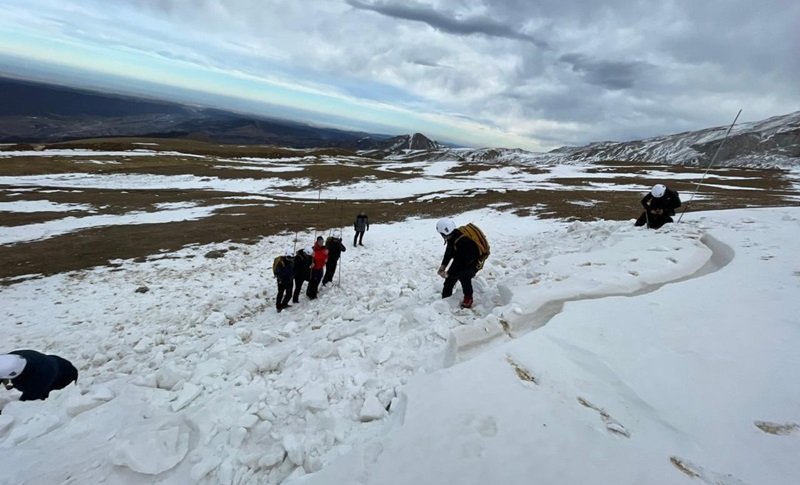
x=447, y=23
x=555, y=71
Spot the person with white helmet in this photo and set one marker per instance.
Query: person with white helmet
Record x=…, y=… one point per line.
x=659, y=207
x=35, y=374
x=302, y=270
x=335, y=249
x=283, y=269
x=466, y=251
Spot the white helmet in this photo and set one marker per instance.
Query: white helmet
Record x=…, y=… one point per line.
x=288, y=252
x=11, y=365
x=308, y=250
x=337, y=234
x=658, y=190
x=445, y=227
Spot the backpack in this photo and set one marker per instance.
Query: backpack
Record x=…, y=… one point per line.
x=276, y=263
x=471, y=232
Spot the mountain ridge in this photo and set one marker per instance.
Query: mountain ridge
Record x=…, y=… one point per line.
x=35, y=112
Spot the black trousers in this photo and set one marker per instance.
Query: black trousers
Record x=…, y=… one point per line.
x=464, y=277
x=358, y=237
x=656, y=220
x=298, y=287
x=330, y=270
x=284, y=293
x=313, y=285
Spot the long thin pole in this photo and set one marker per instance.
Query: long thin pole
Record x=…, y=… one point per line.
x=696, y=189
x=341, y=259
x=319, y=207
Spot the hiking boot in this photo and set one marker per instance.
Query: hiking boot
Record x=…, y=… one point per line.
x=295, y=301
x=467, y=303
x=279, y=308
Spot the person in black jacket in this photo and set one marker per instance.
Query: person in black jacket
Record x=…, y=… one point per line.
x=361, y=225
x=464, y=254
x=302, y=270
x=659, y=207
x=283, y=269
x=36, y=374
x=335, y=250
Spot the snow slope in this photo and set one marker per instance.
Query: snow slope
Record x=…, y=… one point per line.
x=196, y=378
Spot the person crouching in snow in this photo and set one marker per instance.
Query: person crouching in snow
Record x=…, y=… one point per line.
x=35, y=374
x=302, y=270
x=283, y=269
x=317, y=267
x=467, y=248
x=335, y=249
x=659, y=207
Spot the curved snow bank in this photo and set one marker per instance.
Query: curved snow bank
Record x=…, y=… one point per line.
x=685, y=382
x=228, y=391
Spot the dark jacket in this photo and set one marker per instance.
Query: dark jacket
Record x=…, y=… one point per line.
x=362, y=223
x=42, y=374
x=302, y=266
x=667, y=202
x=283, y=269
x=462, y=251
x=335, y=248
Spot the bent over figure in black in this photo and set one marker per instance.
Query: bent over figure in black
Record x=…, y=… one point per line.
x=35, y=374
x=659, y=207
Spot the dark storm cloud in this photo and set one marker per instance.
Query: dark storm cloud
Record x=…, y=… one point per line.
x=448, y=22
x=612, y=75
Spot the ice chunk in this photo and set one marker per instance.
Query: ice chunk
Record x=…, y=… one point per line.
x=372, y=409
x=314, y=397
x=151, y=451
x=188, y=394
x=77, y=403
x=204, y=467
x=295, y=449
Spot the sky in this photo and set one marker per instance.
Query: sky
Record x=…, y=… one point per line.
x=516, y=74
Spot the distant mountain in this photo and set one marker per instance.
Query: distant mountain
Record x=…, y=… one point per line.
x=774, y=142
x=34, y=112
x=771, y=142
x=403, y=145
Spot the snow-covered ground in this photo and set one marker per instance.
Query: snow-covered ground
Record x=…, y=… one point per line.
x=596, y=353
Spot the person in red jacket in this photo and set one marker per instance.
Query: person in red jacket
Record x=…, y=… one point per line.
x=317, y=267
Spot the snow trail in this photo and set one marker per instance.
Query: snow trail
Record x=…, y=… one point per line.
x=205, y=345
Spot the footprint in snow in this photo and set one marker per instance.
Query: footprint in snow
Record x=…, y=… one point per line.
x=777, y=428
x=524, y=374
x=696, y=471
x=612, y=425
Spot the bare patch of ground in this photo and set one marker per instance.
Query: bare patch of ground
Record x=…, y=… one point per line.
x=252, y=218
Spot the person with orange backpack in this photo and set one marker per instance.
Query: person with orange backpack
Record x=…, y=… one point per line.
x=283, y=269
x=466, y=251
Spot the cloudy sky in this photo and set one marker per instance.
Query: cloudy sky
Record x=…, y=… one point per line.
x=534, y=74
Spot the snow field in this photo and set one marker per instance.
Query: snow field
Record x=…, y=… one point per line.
x=199, y=379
